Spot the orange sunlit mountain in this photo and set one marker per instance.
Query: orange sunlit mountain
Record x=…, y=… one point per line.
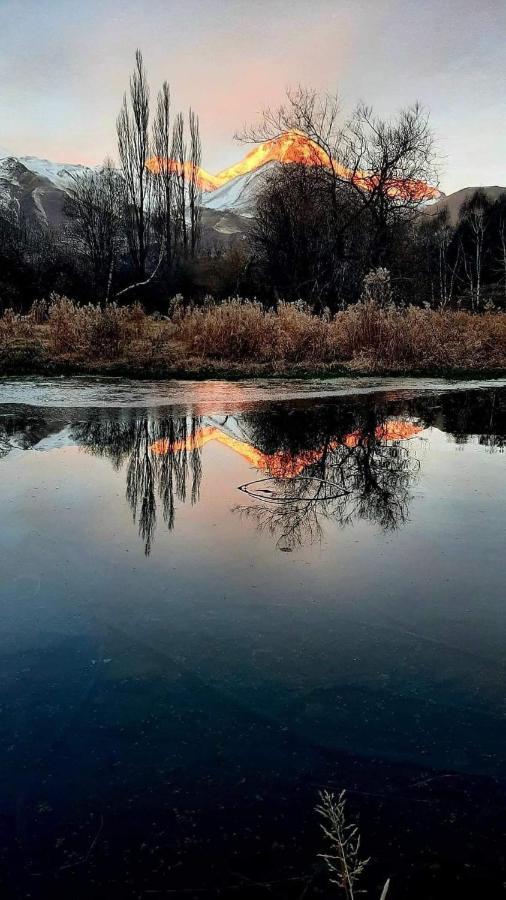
x=282, y=464
x=293, y=147
x=203, y=179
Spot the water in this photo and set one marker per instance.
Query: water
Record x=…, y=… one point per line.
x=217, y=601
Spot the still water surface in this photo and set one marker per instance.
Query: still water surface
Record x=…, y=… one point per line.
x=215, y=603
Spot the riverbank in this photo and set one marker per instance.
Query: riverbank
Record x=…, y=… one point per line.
x=238, y=340
x=25, y=363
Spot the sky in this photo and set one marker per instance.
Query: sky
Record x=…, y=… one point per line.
x=65, y=64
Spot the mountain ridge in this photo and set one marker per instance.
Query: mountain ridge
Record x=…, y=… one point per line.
x=38, y=187
x=454, y=202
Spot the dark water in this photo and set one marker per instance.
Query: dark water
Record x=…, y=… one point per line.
x=185, y=665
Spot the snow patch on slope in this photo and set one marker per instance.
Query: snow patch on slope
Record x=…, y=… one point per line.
x=240, y=194
x=59, y=174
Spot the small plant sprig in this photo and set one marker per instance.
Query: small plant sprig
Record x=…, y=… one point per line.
x=343, y=857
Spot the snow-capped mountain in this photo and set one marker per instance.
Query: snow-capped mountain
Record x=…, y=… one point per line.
x=35, y=188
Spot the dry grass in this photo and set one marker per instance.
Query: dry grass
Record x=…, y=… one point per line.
x=241, y=336
x=244, y=331
x=420, y=339
x=363, y=336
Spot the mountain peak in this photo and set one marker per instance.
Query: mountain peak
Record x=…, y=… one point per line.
x=289, y=147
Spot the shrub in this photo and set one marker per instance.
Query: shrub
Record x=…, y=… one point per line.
x=421, y=338
x=377, y=287
x=39, y=312
x=91, y=330
x=234, y=330
x=104, y=331
x=302, y=336
x=237, y=330
x=13, y=327
x=65, y=324
x=8, y=324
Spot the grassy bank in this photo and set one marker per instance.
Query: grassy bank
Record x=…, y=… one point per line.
x=241, y=339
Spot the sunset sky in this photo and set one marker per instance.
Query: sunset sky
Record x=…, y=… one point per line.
x=64, y=66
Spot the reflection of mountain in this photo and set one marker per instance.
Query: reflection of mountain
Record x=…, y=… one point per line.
x=283, y=464
x=22, y=428
x=345, y=459
x=339, y=474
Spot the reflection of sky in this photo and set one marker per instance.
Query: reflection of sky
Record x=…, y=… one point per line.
x=64, y=65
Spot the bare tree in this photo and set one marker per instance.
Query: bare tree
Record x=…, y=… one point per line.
x=502, y=253
x=164, y=174
x=391, y=163
x=178, y=154
x=314, y=116
x=293, y=234
x=384, y=164
x=162, y=189
x=474, y=218
x=194, y=189
x=177, y=179
x=134, y=150
x=448, y=259
x=94, y=206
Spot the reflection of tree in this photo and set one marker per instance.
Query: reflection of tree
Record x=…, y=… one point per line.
x=161, y=460
x=357, y=473
x=374, y=474
x=299, y=506
x=379, y=477
x=479, y=413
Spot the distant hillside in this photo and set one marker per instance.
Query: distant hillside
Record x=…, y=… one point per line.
x=454, y=202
